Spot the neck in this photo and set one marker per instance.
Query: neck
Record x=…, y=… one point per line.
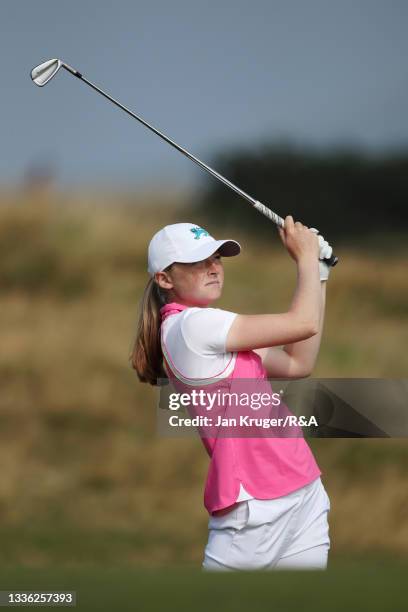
x=187, y=303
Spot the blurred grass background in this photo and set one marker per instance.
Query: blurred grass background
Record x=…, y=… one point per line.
x=85, y=481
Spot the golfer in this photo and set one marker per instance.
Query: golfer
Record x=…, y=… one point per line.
x=268, y=508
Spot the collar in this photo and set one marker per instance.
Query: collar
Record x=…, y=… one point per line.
x=169, y=309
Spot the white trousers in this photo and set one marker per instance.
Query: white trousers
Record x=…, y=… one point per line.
x=267, y=534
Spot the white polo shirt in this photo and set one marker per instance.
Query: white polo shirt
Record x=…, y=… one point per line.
x=194, y=342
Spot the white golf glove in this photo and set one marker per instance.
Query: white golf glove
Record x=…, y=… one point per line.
x=325, y=251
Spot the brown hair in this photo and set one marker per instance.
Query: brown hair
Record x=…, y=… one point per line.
x=147, y=357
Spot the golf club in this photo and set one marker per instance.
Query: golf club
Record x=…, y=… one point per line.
x=44, y=72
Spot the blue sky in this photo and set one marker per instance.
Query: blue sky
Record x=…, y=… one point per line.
x=211, y=75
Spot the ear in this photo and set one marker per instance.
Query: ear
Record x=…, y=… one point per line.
x=163, y=279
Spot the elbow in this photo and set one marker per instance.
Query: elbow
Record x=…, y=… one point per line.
x=305, y=374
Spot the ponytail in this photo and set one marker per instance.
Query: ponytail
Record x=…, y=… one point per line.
x=147, y=357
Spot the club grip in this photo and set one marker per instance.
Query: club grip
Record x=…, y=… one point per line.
x=331, y=261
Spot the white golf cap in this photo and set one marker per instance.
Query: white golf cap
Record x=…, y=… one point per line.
x=185, y=243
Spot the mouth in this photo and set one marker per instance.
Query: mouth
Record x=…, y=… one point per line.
x=213, y=283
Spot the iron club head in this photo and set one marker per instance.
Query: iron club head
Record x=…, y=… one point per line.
x=44, y=72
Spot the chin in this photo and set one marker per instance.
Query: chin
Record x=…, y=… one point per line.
x=215, y=294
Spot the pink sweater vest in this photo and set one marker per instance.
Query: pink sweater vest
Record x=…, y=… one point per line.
x=267, y=467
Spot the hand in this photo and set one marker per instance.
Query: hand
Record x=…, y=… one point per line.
x=299, y=242
x=325, y=252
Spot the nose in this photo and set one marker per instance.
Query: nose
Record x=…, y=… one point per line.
x=213, y=269
x=213, y=264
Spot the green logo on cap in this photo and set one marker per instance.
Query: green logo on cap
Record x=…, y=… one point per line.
x=198, y=232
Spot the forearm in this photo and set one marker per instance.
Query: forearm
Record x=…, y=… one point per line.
x=305, y=352
x=306, y=300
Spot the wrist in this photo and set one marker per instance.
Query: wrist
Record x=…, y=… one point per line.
x=307, y=261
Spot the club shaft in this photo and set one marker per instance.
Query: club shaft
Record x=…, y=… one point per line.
x=272, y=216
x=258, y=205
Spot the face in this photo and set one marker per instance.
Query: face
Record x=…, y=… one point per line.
x=194, y=284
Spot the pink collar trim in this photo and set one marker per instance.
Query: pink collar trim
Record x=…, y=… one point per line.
x=169, y=309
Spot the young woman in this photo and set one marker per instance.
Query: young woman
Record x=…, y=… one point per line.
x=268, y=507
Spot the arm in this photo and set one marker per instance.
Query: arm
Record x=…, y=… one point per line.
x=296, y=359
